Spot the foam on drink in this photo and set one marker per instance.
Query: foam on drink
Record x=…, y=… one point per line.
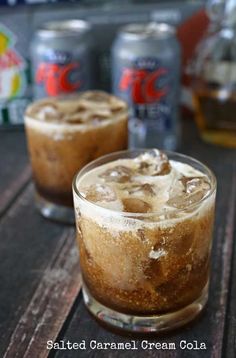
x=82, y=112
x=147, y=184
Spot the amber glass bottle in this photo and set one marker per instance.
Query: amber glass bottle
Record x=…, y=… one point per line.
x=214, y=83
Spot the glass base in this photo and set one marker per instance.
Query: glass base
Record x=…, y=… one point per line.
x=145, y=324
x=55, y=212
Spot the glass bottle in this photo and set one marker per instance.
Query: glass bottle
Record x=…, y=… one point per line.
x=214, y=83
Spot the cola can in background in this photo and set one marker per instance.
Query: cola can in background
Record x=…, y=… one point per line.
x=61, y=58
x=146, y=66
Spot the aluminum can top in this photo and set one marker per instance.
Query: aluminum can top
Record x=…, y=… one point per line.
x=146, y=31
x=64, y=28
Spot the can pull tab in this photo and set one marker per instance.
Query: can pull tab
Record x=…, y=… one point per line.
x=215, y=10
x=154, y=28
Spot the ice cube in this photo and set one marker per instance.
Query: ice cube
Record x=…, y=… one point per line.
x=153, y=162
x=118, y=174
x=185, y=200
x=194, y=189
x=48, y=111
x=72, y=106
x=80, y=109
x=99, y=192
x=73, y=118
x=99, y=114
x=96, y=96
x=197, y=184
x=117, y=107
x=193, y=184
x=138, y=188
x=135, y=205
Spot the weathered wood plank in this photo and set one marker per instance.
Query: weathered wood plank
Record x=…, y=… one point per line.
x=50, y=304
x=230, y=331
x=210, y=326
x=14, y=168
x=39, y=278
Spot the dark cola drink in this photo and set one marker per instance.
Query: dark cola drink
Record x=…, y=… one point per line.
x=61, y=58
x=146, y=62
x=144, y=229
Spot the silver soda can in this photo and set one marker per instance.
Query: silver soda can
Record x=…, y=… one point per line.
x=146, y=66
x=61, y=58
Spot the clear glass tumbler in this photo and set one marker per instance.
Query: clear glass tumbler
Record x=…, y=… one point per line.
x=145, y=272
x=63, y=135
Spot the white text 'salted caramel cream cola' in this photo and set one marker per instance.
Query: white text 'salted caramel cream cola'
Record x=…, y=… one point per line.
x=61, y=58
x=146, y=65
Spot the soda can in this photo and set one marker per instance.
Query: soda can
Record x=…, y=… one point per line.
x=146, y=67
x=61, y=58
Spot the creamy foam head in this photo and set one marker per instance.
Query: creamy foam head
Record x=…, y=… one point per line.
x=149, y=183
x=86, y=108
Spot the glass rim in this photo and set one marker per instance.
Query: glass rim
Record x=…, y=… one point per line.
x=85, y=169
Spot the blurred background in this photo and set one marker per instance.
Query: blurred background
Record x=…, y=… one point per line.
x=205, y=31
x=19, y=19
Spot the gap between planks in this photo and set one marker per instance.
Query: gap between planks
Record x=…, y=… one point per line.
x=230, y=232
x=15, y=188
x=227, y=259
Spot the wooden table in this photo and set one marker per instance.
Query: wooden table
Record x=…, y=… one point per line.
x=40, y=282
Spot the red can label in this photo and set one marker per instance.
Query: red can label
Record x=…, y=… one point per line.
x=58, y=73
x=57, y=79
x=142, y=84
x=146, y=85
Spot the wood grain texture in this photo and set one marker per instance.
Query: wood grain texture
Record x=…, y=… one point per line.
x=230, y=326
x=50, y=304
x=15, y=171
x=39, y=278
